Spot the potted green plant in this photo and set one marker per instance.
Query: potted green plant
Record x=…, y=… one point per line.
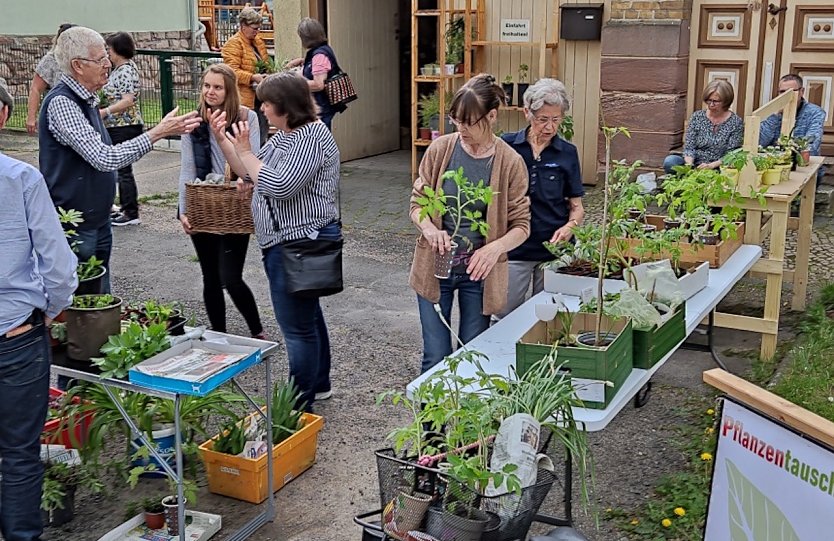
x=733, y=162
x=508, y=87
x=91, y=272
x=455, y=44
x=61, y=482
x=762, y=162
x=429, y=109
x=799, y=148
x=152, y=509
x=767, y=161
x=133, y=345
x=435, y=203
x=91, y=320
x=523, y=85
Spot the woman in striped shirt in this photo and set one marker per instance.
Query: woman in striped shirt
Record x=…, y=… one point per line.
x=295, y=178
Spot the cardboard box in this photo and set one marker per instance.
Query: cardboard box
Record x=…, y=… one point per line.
x=597, y=373
x=649, y=346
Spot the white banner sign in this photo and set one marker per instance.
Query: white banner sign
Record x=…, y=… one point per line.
x=517, y=30
x=769, y=482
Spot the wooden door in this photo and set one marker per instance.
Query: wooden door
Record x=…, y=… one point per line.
x=752, y=44
x=363, y=33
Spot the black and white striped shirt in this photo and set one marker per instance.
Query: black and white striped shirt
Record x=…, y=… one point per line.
x=299, y=181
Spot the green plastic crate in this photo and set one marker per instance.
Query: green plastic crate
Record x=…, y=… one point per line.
x=652, y=345
x=612, y=363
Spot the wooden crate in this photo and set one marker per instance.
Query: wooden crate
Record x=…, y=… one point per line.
x=716, y=255
x=597, y=373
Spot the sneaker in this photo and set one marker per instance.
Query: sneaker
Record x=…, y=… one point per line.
x=124, y=219
x=324, y=395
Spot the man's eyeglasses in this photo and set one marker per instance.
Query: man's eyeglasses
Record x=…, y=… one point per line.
x=543, y=120
x=103, y=61
x=712, y=102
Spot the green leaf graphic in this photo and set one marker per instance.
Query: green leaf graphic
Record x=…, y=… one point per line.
x=753, y=517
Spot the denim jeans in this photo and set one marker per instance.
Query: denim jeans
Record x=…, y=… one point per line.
x=437, y=340
x=327, y=118
x=672, y=160
x=24, y=398
x=99, y=243
x=128, y=193
x=302, y=324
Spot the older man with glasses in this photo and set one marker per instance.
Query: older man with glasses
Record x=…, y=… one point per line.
x=810, y=119
x=77, y=157
x=37, y=278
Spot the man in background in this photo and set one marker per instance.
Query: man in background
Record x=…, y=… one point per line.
x=37, y=279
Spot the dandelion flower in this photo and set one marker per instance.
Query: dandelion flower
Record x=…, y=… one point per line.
x=634, y=522
x=706, y=457
x=666, y=522
x=680, y=511
x=710, y=411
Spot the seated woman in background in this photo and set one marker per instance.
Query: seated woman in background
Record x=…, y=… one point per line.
x=221, y=256
x=555, y=188
x=712, y=132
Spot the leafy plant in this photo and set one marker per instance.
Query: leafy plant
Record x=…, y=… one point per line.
x=508, y=80
x=763, y=162
x=266, y=65
x=232, y=438
x=429, y=108
x=523, y=70
x=566, y=130
x=90, y=269
x=436, y=203
x=455, y=40
x=134, y=345
x=158, y=312
x=102, y=300
x=286, y=412
x=59, y=477
x=735, y=159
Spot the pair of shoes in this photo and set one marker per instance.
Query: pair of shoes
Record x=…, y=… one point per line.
x=115, y=211
x=124, y=219
x=260, y=336
x=324, y=395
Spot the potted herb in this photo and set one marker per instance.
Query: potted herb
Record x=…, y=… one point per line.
x=429, y=109
x=152, y=509
x=91, y=321
x=762, y=162
x=523, y=85
x=767, y=162
x=91, y=272
x=436, y=204
x=61, y=482
x=733, y=162
x=799, y=148
x=455, y=44
x=133, y=345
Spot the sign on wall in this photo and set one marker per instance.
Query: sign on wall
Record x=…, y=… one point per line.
x=517, y=30
x=769, y=482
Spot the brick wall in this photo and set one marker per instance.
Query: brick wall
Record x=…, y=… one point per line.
x=650, y=10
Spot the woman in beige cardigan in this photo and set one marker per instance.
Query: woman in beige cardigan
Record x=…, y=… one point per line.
x=479, y=272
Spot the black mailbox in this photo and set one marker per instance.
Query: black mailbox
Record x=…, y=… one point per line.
x=581, y=21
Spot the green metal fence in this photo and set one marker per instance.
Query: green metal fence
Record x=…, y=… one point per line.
x=168, y=79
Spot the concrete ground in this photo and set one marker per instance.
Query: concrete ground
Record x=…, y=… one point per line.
x=375, y=333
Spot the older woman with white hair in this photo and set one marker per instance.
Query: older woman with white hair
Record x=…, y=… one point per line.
x=555, y=186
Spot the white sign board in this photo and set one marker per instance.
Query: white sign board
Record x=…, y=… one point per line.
x=769, y=482
x=517, y=30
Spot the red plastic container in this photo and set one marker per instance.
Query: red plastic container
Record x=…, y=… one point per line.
x=57, y=431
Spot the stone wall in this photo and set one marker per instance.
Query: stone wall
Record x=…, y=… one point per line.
x=20, y=54
x=644, y=77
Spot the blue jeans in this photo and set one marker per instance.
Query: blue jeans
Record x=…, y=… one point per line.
x=327, y=118
x=302, y=324
x=99, y=243
x=672, y=160
x=437, y=340
x=24, y=398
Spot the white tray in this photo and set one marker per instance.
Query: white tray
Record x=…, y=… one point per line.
x=202, y=527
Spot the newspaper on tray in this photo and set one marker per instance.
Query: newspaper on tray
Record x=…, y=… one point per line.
x=194, y=365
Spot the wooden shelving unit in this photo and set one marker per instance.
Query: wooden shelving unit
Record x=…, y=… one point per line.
x=546, y=43
x=440, y=16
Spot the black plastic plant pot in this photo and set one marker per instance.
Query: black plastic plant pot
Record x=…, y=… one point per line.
x=89, y=328
x=710, y=239
x=522, y=88
x=508, y=90
x=671, y=224
x=649, y=228
x=464, y=525
x=176, y=325
x=590, y=338
x=93, y=285
x=59, y=517
x=635, y=214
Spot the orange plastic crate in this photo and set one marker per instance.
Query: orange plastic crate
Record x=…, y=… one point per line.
x=245, y=478
x=70, y=433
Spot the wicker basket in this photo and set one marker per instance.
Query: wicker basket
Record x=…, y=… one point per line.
x=218, y=208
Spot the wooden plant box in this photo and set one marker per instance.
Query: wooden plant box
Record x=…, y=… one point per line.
x=597, y=373
x=651, y=345
x=245, y=478
x=715, y=255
